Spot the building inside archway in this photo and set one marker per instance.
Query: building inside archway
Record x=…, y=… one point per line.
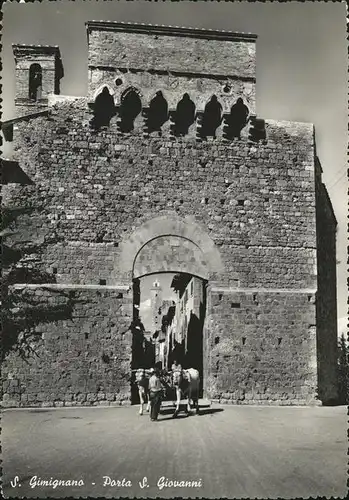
x=171, y=314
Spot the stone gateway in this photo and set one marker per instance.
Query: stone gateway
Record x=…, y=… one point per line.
x=164, y=167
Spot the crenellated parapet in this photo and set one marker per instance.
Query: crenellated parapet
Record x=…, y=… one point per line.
x=183, y=118
x=170, y=81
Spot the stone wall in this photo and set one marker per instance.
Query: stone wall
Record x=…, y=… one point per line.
x=161, y=254
x=237, y=213
x=83, y=360
x=110, y=206
x=261, y=347
x=326, y=293
x=255, y=201
x=171, y=60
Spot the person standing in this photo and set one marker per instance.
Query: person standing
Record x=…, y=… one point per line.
x=155, y=393
x=142, y=384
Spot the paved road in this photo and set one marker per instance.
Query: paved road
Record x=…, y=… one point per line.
x=232, y=451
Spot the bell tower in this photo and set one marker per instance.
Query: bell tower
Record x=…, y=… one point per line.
x=156, y=302
x=38, y=70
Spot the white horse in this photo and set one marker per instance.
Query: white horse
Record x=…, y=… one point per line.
x=142, y=381
x=186, y=382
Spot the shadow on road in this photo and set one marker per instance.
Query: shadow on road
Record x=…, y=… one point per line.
x=71, y=418
x=39, y=410
x=170, y=418
x=169, y=413
x=210, y=411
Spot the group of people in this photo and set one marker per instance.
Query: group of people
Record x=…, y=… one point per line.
x=152, y=389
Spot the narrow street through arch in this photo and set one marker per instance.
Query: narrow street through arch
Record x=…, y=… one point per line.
x=169, y=321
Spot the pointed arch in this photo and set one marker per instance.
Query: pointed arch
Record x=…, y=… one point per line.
x=103, y=109
x=100, y=89
x=237, y=119
x=184, y=116
x=35, y=82
x=129, y=89
x=157, y=113
x=130, y=107
x=211, y=118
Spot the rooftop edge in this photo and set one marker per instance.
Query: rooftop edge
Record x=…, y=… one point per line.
x=19, y=47
x=157, y=29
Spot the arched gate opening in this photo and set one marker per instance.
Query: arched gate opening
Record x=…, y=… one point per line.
x=181, y=257
x=169, y=312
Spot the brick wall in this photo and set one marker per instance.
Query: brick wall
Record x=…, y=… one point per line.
x=261, y=347
x=84, y=360
x=327, y=293
x=172, y=60
x=148, y=49
x=255, y=201
x=162, y=253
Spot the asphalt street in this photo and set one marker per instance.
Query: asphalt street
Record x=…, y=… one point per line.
x=227, y=451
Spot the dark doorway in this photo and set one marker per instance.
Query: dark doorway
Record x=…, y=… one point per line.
x=184, y=116
x=237, y=119
x=212, y=118
x=103, y=109
x=158, y=113
x=35, y=82
x=130, y=108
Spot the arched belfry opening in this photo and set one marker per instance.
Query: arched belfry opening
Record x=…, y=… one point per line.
x=35, y=82
x=237, y=119
x=184, y=116
x=103, y=109
x=131, y=106
x=211, y=118
x=158, y=113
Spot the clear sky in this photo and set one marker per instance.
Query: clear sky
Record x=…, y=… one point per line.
x=301, y=65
